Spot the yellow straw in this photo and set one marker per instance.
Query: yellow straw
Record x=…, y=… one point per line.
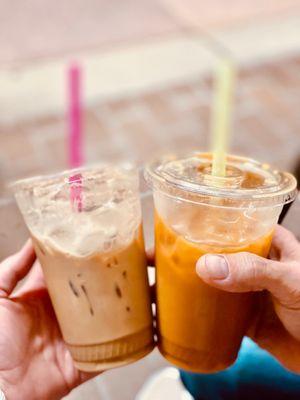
x=221, y=119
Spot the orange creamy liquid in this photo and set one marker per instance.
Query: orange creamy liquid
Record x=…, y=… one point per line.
x=200, y=328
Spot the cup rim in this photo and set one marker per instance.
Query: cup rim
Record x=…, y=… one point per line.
x=283, y=192
x=62, y=177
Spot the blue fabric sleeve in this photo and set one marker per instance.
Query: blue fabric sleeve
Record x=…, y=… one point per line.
x=255, y=375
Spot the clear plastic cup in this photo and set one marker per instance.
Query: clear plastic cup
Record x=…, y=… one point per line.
x=200, y=328
x=86, y=228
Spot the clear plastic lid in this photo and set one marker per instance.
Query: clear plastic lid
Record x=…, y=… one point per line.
x=246, y=180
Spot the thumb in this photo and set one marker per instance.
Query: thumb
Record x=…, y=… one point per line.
x=244, y=272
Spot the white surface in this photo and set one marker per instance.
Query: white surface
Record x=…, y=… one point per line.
x=164, y=384
x=120, y=383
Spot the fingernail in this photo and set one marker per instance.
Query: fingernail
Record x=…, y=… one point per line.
x=216, y=266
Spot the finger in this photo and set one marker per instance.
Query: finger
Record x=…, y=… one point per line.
x=15, y=268
x=36, y=276
x=285, y=244
x=243, y=272
x=33, y=281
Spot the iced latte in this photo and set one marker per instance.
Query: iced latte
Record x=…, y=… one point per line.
x=87, y=232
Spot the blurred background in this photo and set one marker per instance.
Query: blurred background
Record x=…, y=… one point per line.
x=147, y=70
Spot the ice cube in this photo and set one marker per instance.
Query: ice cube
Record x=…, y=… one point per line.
x=88, y=243
x=110, y=232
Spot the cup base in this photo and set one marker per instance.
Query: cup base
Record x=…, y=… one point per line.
x=113, y=354
x=104, y=366
x=193, y=360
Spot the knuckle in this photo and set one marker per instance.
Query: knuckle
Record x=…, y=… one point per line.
x=251, y=270
x=285, y=279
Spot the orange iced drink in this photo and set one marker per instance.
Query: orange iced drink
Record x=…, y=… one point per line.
x=200, y=328
x=88, y=237
x=184, y=338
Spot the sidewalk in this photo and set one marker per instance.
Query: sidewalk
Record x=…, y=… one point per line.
x=152, y=118
x=53, y=29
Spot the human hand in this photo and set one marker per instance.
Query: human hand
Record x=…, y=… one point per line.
x=277, y=326
x=34, y=361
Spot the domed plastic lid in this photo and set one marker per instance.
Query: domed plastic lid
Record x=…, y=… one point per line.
x=246, y=180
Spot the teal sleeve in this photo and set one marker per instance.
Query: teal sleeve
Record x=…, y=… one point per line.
x=255, y=375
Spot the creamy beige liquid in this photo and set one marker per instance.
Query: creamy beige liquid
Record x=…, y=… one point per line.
x=101, y=302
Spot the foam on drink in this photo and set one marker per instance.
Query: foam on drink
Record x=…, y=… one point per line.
x=110, y=214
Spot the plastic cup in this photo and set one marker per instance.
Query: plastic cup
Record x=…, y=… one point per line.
x=93, y=259
x=200, y=328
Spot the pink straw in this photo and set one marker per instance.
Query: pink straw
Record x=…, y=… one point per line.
x=75, y=135
x=75, y=182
